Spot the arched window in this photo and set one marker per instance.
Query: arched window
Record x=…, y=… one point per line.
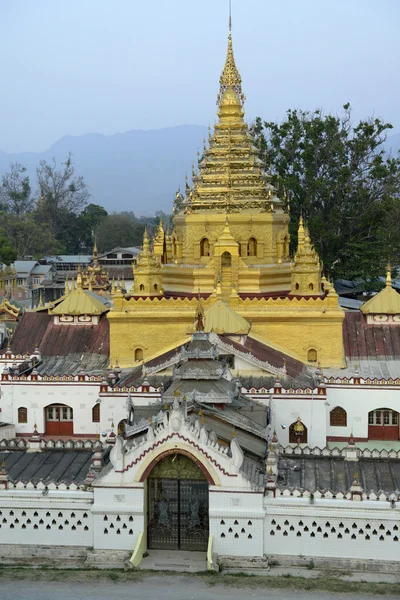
x=138, y=354
x=252, y=247
x=312, y=355
x=96, y=413
x=204, y=247
x=22, y=415
x=226, y=259
x=311, y=286
x=297, y=286
x=338, y=417
x=155, y=287
x=141, y=287
x=297, y=433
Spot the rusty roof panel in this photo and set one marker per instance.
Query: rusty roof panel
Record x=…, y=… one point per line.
x=369, y=341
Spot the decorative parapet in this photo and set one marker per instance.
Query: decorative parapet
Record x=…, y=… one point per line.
x=312, y=495
x=318, y=391
x=22, y=444
x=264, y=365
x=46, y=487
x=34, y=376
x=357, y=380
x=337, y=452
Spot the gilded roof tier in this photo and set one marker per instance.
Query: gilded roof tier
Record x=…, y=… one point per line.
x=386, y=302
x=79, y=302
x=231, y=176
x=221, y=319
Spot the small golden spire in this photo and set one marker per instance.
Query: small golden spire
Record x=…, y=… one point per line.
x=146, y=243
x=230, y=76
x=41, y=303
x=79, y=279
x=66, y=286
x=388, y=276
x=301, y=232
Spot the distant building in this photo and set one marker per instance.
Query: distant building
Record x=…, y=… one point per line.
x=22, y=277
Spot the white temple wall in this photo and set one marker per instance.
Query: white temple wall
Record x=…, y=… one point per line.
x=284, y=412
x=236, y=522
x=331, y=529
x=59, y=518
x=358, y=402
x=118, y=517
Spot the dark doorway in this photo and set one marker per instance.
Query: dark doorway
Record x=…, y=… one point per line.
x=177, y=505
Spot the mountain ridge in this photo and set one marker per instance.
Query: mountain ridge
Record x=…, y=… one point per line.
x=137, y=170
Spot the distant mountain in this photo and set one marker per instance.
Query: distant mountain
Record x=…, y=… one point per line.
x=136, y=171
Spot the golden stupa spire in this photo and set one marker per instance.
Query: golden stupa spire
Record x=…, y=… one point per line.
x=79, y=279
x=146, y=243
x=301, y=233
x=66, y=286
x=388, y=275
x=230, y=76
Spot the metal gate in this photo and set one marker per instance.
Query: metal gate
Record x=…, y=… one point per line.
x=177, y=514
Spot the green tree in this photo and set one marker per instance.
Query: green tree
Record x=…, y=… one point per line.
x=15, y=191
x=7, y=252
x=118, y=230
x=342, y=182
x=61, y=193
x=28, y=238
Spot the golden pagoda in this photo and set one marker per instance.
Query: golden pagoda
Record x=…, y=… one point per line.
x=94, y=277
x=230, y=244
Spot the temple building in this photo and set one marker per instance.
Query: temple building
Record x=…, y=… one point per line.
x=224, y=403
x=230, y=244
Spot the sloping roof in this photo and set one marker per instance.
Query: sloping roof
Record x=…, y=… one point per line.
x=70, y=258
x=42, y=269
x=385, y=302
x=337, y=475
x=220, y=318
x=294, y=368
x=62, y=346
x=369, y=341
x=50, y=466
x=24, y=266
x=79, y=302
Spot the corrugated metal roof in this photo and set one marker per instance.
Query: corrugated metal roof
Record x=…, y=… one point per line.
x=337, y=475
x=49, y=466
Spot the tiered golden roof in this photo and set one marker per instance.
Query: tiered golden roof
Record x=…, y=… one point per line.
x=79, y=302
x=386, y=302
x=231, y=177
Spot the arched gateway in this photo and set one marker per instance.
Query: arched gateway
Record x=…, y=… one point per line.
x=177, y=492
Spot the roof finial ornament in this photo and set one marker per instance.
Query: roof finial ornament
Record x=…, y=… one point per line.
x=230, y=16
x=388, y=275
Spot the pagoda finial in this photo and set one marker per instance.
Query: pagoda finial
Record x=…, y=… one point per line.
x=388, y=275
x=301, y=232
x=230, y=76
x=146, y=243
x=79, y=279
x=230, y=16
x=66, y=286
x=95, y=252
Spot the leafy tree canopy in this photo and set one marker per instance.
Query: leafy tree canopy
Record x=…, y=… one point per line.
x=340, y=179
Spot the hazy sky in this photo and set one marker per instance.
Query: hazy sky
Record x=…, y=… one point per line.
x=78, y=66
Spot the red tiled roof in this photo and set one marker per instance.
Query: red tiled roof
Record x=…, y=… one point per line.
x=371, y=341
x=37, y=328
x=267, y=354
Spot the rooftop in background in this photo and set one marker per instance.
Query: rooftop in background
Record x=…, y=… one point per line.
x=69, y=262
